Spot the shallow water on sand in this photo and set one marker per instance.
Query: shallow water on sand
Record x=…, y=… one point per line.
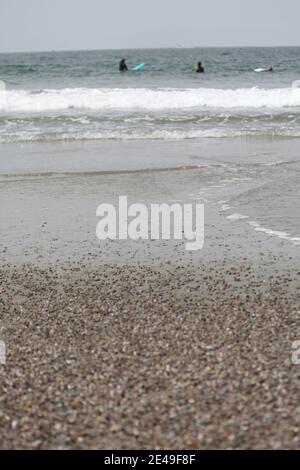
x=50, y=192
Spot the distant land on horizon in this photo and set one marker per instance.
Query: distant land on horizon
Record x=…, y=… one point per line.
x=148, y=48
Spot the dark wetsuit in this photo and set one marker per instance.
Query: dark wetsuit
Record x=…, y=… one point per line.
x=123, y=67
x=199, y=68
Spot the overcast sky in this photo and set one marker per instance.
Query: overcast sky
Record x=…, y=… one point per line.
x=42, y=25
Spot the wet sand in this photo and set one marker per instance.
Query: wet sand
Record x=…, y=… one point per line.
x=142, y=345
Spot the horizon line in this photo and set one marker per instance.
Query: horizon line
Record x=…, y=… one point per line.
x=148, y=48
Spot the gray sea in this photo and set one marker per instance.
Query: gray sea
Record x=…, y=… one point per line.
x=82, y=96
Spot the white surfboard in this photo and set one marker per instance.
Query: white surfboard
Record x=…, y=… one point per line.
x=2, y=85
x=262, y=69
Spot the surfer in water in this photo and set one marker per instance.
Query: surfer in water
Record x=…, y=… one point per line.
x=123, y=66
x=199, y=68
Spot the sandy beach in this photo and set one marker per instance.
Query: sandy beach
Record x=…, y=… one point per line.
x=132, y=357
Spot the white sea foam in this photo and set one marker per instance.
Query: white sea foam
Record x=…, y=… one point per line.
x=225, y=208
x=235, y=217
x=121, y=134
x=268, y=231
x=148, y=99
x=274, y=233
x=8, y=135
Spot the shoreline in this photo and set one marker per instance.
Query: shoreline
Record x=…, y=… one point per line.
x=142, y=345
x=250, y=193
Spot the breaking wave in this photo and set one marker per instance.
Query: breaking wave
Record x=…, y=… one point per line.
x=146, y=98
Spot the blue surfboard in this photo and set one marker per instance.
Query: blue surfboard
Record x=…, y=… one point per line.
x=139, y=67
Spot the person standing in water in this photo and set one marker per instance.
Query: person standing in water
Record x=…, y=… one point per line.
x=199, y=68
x=123, y=66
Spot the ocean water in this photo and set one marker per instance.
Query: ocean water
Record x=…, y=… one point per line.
x=76, y=96
x=228, y=138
